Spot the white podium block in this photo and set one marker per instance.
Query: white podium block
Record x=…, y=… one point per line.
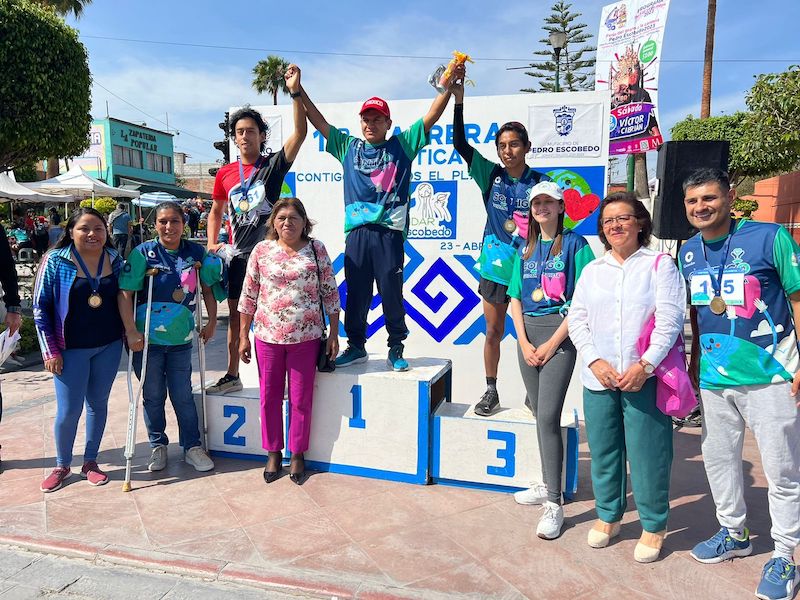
x=366, y=420
x=373, y=422
x=233, y=424
x=499, y=452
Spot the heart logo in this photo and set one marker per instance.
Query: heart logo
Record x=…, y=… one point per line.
x=383, y=179
x=752, y=291
x=579, y=207
x=555, y=285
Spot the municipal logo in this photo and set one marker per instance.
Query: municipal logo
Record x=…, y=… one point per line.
x=563, y=119
x=432, y=215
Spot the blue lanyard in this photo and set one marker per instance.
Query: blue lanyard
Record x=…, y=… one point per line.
x=245, y=184
x=541, y=265
x=94, y=281
x=720, y=271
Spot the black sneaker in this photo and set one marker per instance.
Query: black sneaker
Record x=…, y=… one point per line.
x=227, y=383
x=490, y=402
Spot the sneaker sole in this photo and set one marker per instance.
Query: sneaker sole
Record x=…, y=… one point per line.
x=788, y=596
x=726, y=556
x=545, y=536
x=201, y=469
x=356, y=361
x=533, y=502
x=222, y=392
x=105, y=481
x=58, y=487
x=395, y=369
x=483, y=413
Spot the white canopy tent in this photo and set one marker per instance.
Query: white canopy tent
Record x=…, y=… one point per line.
x=16, y=192
x=80, y=184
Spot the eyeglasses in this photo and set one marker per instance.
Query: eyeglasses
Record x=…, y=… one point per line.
x=621, y=219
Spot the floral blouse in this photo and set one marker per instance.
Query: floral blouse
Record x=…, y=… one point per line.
x=281, y=291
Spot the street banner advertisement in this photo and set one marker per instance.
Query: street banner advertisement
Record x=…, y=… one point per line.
x=629, y=45
x=566, y=131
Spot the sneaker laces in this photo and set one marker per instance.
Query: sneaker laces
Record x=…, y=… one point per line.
x=550, y=510
x=777, y=570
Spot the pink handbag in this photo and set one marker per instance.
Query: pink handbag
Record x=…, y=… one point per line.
x=674, y=391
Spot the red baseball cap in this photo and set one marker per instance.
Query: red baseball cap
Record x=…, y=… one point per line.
x=378, y=104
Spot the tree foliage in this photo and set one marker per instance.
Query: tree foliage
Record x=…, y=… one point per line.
x=45, y=86
x=773, y=120
x=65, y=7
x=725, y=127
x=744, y=207
x=268, y=76
x=576, y=66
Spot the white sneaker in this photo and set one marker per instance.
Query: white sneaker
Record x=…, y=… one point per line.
x=198, y=458
x=158, y=458
x=536, y=494
x=549, y=527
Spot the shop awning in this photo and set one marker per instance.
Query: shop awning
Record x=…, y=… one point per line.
x=129, y=183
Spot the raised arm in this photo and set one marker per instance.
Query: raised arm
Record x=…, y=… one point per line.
x=298, y=136
x=459, y=136
x=316, y=118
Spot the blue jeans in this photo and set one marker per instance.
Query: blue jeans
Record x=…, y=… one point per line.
x=87, y=377
x=169, y=368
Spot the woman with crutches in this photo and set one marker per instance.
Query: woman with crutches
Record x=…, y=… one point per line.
x=168, y=367
x=80, y=334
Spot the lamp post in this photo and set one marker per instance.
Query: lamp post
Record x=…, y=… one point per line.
x=558, y=40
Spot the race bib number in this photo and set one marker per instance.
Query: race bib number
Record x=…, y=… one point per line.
x=731, y=289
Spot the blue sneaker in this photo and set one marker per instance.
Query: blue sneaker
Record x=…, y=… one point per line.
x=721, y=546
x=395, y=359
x=352, y=356
x=778, y=580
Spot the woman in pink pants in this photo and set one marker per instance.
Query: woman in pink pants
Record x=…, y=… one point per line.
x=281, y=298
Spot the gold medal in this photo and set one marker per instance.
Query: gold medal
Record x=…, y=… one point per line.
x=717, y=305
x=95, y=301
x=537, y=295
x=509, y=226
x=178, y=295
x=244, y=205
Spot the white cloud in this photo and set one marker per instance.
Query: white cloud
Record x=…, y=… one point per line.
x=764, y=329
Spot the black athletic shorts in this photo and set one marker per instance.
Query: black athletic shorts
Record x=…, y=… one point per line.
x=236, y=273
x=493, y=292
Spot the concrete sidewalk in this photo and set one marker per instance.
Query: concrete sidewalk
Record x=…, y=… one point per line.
x=344, y=536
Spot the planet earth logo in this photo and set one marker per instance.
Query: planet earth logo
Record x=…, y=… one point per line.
x=579, y=201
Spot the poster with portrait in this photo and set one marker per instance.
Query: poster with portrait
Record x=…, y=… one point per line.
x=629, y=45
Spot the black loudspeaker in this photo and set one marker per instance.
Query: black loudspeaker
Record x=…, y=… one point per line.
x=676, y=160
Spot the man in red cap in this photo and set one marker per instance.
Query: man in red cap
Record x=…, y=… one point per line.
x=377, y=173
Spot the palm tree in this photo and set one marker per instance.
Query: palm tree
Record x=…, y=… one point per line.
x=705, y=97
x=64, y=7
x=269, y=76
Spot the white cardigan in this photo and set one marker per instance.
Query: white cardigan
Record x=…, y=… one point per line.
x=613, y=301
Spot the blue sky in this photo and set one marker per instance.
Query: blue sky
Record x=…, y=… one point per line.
x=195, y=85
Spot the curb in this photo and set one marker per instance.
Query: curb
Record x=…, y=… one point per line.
x=278, y=579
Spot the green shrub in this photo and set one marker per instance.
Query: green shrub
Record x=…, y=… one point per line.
x=28, y=341
x=103, y=204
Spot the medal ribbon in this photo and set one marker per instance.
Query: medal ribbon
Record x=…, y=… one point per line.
x=540, y=265
x=171, y=262
x=245, y=184
x=716, y=277
x=94, y=281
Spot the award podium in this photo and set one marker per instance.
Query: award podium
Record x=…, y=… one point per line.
x=373, y=422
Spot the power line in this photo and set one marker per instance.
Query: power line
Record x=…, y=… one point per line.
x=183, y=131
x=406, y=56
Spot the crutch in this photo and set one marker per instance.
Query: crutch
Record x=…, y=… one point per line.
x=133, y=401
x=201, y=357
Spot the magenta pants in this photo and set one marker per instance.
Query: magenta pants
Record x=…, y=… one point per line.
x=275, y=362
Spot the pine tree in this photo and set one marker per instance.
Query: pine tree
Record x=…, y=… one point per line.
x=576, y=63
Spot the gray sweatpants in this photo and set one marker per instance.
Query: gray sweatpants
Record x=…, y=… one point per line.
x=547, y=388
x=773, y=417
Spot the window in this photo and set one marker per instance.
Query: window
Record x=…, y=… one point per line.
x=161, y=164
x=127, y=157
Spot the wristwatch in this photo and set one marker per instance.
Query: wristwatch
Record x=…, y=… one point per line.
x=295, y=94
x=648, y=368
